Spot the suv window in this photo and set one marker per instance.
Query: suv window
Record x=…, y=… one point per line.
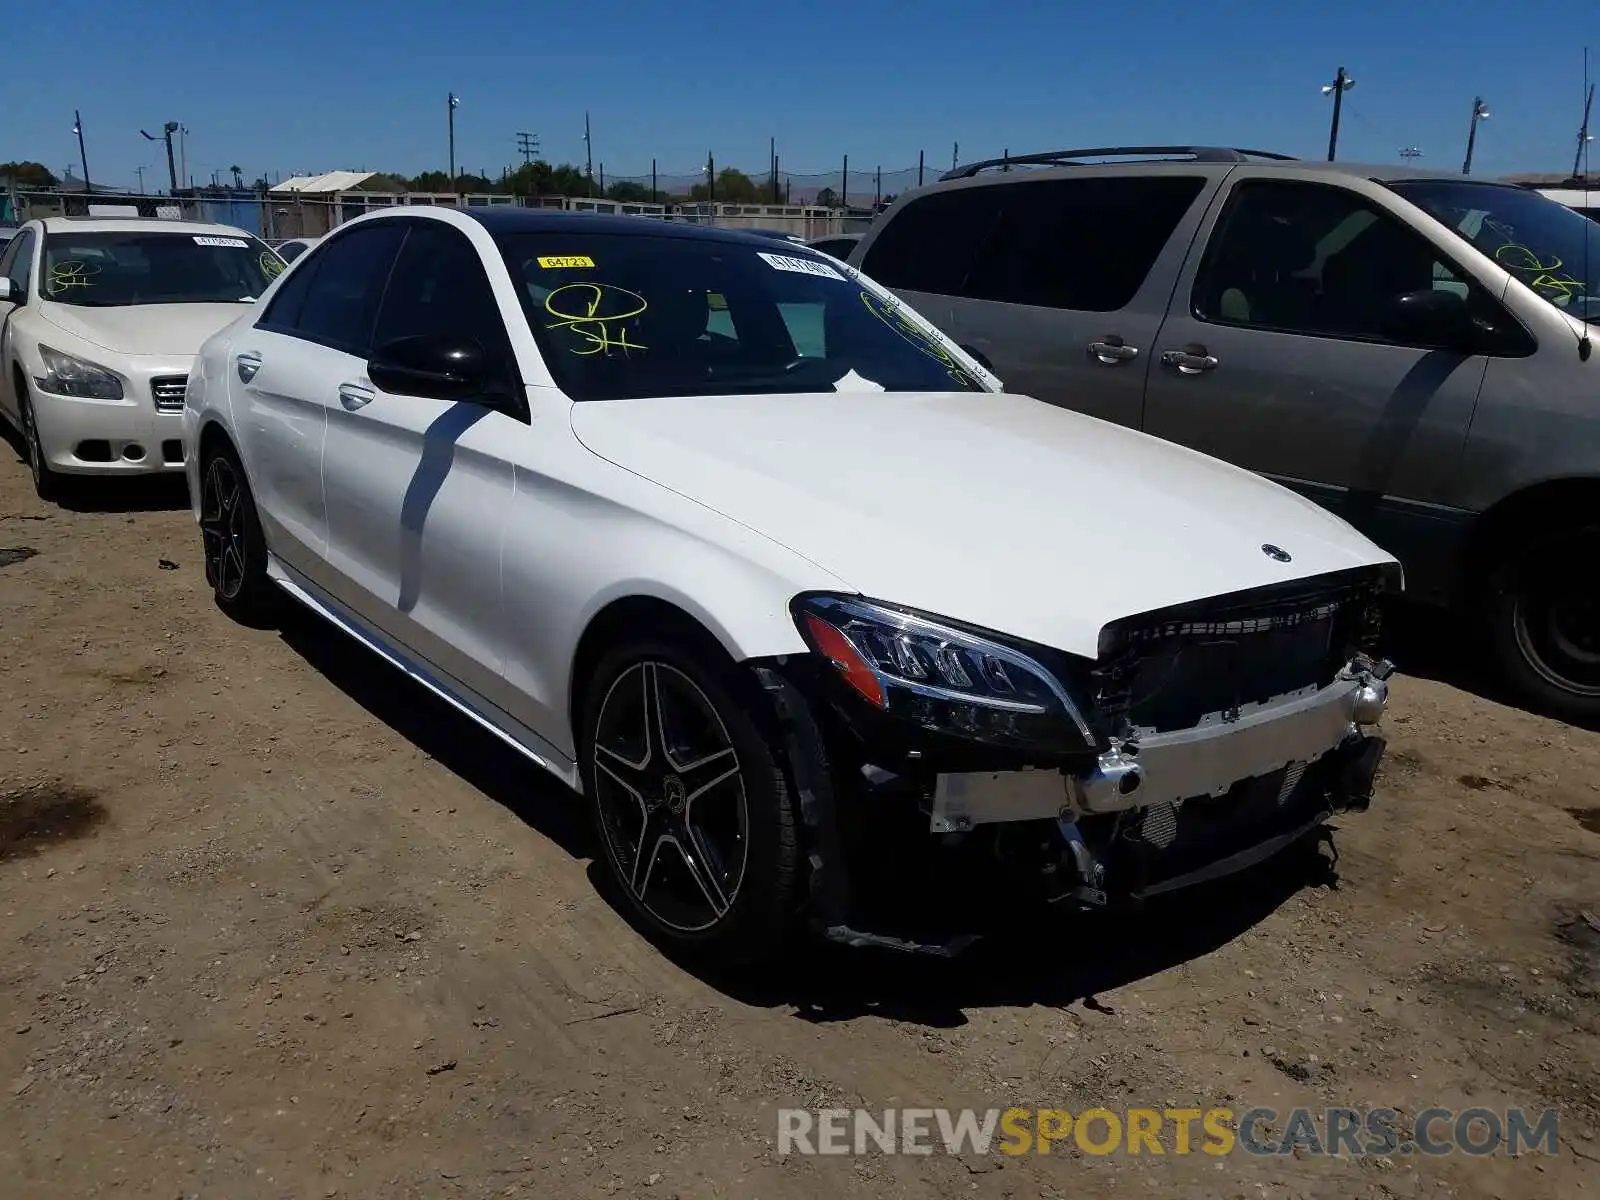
x=338, y=303
x=929, y=245
x=1081, y=244
x=1314, y=259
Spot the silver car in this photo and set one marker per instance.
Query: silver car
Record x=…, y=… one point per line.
x=1413, y=351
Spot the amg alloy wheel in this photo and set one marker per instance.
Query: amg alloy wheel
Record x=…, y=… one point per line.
x=689, y=805
x=235, y=551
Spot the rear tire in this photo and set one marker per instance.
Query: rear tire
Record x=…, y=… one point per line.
x=1545, y=624
x=234, y=548
x=695, y=819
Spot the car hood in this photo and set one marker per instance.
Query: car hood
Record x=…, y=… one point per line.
x=997, y=510
x=163, y=329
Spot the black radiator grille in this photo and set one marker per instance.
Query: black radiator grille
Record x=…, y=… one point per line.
x=1168, y=669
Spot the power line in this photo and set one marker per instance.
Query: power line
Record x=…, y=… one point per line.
x=527, y=146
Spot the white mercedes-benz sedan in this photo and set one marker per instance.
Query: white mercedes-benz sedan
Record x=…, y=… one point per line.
x=827, y=629
x=100, y=318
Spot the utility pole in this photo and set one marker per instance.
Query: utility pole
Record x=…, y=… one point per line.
x=919, y=168
x=1410, y=154
x=139, y=171
x=653, y=199
x=1341, y=84
x=527, y=146
x=844, y=184
x=1480, y=112
x=183, y=156
x=167, y=130
x=711, y=178
x=452, y=101
x=1583, y=133
x=588, y=153
x=83, y=157
x=602, y=179
x=877, y=190
x=955, y=152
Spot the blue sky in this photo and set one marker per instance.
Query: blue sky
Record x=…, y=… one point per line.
x=295, y=86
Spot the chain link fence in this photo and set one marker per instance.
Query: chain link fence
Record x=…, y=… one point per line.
x=808, y=205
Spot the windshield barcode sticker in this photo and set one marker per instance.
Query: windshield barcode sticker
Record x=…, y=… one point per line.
x=800, y=266
x=234, y=243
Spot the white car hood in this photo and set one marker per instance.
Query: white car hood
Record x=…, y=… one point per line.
x=161, y=329
x=994, y=509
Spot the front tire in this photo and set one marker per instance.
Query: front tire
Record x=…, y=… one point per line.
x=47, y=484
x=1545, y=624
x=234, y=548
x=690, y=805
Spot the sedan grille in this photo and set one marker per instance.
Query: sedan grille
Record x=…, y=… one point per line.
x=1169, y=669
x=168, y=392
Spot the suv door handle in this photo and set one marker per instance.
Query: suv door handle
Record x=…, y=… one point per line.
x=1113, y=350
x=1191, y=360
x=247, y=364
x=356, y=395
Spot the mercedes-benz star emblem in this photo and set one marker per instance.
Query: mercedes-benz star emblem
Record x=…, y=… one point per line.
x=1276, y=553
x=672, y=791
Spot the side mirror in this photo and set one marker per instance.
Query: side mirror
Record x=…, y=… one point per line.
x=438, y=367
x=1434, y=317
x=10, y=293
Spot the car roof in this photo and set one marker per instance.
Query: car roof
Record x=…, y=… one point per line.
x=139, y=225
x=1062, y=164
x=500, y=220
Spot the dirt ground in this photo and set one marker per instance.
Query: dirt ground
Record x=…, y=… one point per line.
x=274, y=923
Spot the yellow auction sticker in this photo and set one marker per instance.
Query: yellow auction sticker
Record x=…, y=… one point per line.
x=566, y=260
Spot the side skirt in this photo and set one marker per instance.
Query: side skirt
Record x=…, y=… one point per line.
x=454, y=693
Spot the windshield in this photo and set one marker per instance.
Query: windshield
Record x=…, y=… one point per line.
x=620, y=316
x=1549, y=247
x=99, y=269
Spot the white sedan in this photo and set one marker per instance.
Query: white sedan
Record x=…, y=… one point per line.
x=825, y=627
x=100, y=319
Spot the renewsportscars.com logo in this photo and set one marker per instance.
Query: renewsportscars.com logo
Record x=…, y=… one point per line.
x=1357, y=1133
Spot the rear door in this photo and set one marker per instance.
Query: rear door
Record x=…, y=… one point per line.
x=315, y=332
x=1278, y=356
x=1060, y=281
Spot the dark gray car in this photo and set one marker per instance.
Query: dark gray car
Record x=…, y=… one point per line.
x=1412, y=351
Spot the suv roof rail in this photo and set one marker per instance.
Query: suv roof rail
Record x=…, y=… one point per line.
x=1211, y=154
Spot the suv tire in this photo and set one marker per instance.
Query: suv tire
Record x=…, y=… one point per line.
x=1545, y=624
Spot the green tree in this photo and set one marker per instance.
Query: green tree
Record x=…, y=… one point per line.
x=733, y=187
x=828, y=198
x=428, y=181
x=628, y=191
x=28, y=174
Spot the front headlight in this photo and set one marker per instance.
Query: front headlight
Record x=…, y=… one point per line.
x=68, y=376
x=949, y=680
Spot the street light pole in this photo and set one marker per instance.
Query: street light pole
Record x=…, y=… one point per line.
x=588, y=154
x=1480, y=112
x=1341, y=84
x=453, y=101
x=83, y=157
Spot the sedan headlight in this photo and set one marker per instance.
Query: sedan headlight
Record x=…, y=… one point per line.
x=964, y=683
x=68, y=376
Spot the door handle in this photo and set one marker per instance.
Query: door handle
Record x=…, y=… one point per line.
x=1191, y=360
x=1113, y=350
x=247, y=364
x=356, y=395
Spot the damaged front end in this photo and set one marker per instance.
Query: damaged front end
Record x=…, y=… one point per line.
x=947, y=775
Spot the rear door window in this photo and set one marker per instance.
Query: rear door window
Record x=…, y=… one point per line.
x=1083, y=244
x=346, y=278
